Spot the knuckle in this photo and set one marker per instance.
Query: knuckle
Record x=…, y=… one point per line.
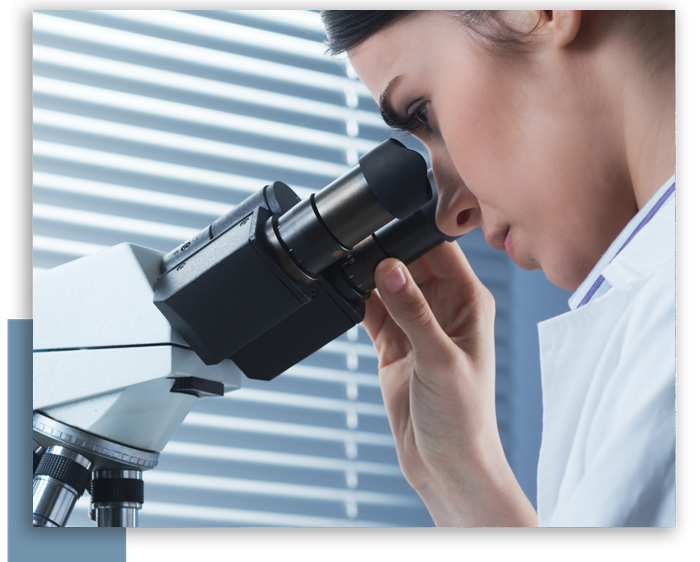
x=488, y=303
x=487, y=307
x=481, y=299
x=418, y=314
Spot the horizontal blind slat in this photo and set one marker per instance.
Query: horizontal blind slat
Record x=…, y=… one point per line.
x=103, y=221
x=203, y=482
x=234, y=33
x=230, y=423
x=301, y=401
x=293, y=18
x=176, y=141
x=202, y=56
x=155, y=168
x=130, y=72
x=217, y=516
x=181, y=448
x=102, y=190
x=198, y=115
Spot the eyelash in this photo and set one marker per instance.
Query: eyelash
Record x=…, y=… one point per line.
x=416, y=121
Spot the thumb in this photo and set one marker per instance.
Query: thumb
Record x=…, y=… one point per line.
x=406, y=304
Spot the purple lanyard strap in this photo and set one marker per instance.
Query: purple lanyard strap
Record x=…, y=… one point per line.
x=645, y=220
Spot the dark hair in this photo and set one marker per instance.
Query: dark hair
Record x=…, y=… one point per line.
x=346, y=29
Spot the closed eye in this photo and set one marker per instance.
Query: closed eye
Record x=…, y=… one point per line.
x=415, y=122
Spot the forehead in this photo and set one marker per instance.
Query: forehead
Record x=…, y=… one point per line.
x=407, y=45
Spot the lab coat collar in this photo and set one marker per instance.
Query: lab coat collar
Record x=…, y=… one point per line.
x=596, y=284
x=647, y=251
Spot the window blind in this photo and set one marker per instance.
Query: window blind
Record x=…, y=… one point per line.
x=148, y=125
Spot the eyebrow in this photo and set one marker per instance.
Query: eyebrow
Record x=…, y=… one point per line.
x=386, y=110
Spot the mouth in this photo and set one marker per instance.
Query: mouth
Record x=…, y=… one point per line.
x=510, y=249
x=497, y=239
x=502, y=240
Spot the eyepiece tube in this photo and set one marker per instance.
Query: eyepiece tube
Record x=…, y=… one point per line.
x=407, y=240
x=390, y=182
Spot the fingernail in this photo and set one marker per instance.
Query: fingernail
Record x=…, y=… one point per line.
x=394, y=280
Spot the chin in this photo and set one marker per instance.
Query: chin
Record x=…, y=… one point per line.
x=566, y=275
x=565, y=278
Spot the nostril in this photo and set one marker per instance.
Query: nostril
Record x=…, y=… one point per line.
x=463, y=217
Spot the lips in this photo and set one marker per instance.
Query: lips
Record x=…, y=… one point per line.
x=508, y=243
x=502, y=240
x=497, y=239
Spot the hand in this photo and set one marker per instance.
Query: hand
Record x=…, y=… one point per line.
x=433, y=332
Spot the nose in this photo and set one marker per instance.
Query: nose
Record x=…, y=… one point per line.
x=458, y=208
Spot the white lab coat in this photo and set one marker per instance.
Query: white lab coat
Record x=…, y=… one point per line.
x=608, y=380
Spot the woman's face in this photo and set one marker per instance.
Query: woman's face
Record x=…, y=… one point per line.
x=521, y=146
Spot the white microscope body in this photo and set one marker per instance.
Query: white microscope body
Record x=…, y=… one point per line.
x=112, y=381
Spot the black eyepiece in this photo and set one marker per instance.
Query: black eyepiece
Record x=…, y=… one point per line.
x=390, y=182
x=389, y=165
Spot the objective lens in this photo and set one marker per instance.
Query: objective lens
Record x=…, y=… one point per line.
x=60, y=479
x=390, y=182
x=117, y=496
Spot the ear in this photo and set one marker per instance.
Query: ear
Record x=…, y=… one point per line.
x=564, y=25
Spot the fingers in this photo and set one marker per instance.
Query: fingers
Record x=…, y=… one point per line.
x=436, y=264
x=375, y=316
x=426, y=306
x=389, y=341
x=408, y=308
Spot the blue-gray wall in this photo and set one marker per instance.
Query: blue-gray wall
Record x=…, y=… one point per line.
x=535, y=299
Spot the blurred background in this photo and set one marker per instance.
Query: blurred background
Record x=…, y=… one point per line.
x=150, y=125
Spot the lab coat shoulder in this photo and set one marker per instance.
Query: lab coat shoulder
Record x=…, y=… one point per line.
x=608, y=449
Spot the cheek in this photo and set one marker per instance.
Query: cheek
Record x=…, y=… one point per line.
x=509, y=144
x=483, y=132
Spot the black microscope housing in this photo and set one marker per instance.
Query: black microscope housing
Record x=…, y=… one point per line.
x=276, y=279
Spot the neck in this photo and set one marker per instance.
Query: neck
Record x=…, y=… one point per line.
x=647, y=99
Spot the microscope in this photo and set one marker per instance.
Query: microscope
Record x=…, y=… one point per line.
x=128, y=339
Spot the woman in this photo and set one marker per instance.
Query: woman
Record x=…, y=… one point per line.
x=554, y=132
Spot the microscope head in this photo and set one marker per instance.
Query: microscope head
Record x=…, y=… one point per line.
x=128, y=339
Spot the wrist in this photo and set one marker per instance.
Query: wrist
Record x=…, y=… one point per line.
x=483, y=495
